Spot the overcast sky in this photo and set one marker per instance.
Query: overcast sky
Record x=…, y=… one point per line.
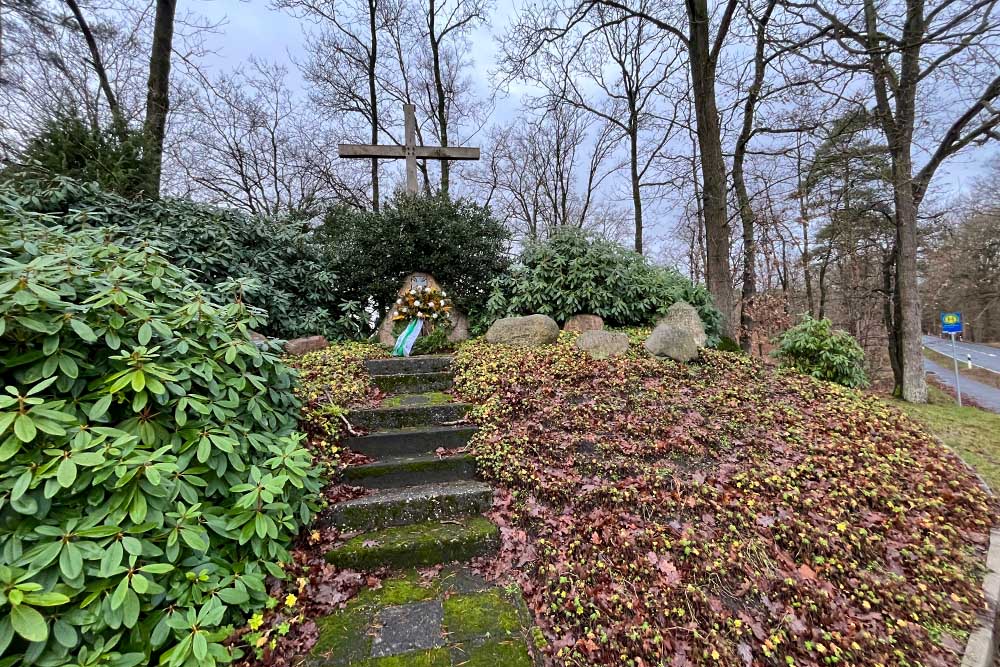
x=254, y=28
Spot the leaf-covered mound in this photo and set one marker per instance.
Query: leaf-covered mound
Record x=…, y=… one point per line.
x=330, y=382
x=723, y=513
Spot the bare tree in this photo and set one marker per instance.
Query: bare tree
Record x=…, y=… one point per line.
x=109, y=64
x=611, y=65
x=701, y=34
x=248, y=142
x=770, y=108
x=345, y=63
x=545, y=172
x=448, y=23
x=97, y=62
x=909, y=49
x=48, y=69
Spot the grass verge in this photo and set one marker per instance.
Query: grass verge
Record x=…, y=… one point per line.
x=973, y=433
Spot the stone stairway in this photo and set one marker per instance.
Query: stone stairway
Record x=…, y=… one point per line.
x=423, y=509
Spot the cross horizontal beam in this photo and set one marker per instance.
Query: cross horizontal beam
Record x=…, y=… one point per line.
x=399, y=152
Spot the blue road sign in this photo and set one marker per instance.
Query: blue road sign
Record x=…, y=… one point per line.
x=951, y=323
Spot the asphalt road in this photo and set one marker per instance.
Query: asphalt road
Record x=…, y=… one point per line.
x=982, y=355
x=984, y=395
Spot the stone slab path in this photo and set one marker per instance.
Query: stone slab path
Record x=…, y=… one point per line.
x=454, y=619
x=423, y=509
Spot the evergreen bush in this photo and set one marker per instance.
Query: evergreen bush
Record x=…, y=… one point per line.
x=71, y=147
x=150, y=476
x=283, y=269
x=459, y=242
x=574, y=272
x=815, y=348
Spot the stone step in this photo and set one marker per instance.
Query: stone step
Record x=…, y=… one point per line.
x=409, y=383
x=403, y=416
x=418, y=545
x=408, y=365
x=411, y=441
x=411, y=504
x=398, y=471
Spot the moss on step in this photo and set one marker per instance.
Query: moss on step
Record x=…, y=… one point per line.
x=499, y=654
x=481, y=625
x=486, y=614
x=401, y=506
x=417, y=470
x=405, y=588
x=425, y=398
x=343, y=637
x=390, y=417
x=417, y=545
x=416, y=382
x=438, y=657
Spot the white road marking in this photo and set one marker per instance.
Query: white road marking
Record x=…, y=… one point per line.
x=947, y=350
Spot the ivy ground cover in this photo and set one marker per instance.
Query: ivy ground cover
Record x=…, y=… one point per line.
x=723, y=513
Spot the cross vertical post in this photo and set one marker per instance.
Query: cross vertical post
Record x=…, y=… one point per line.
x=410, y=146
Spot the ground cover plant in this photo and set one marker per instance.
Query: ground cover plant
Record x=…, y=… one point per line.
x=723, y=513
x=330, y=382
x=150, y=476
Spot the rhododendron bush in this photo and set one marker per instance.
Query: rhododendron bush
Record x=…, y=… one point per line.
x=150, y=476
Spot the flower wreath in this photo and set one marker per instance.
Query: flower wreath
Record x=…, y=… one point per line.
x=429, y=304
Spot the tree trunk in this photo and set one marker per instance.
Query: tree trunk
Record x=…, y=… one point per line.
x=636, y=194
x=158, y=92
x=897, y=126
x=807, y=267
x=749, y=277
x=442, y=110
x=713, y=165
x=890, y=318
x=372, y=94
x=914, y=389
x=749, y=289
x=822, y=284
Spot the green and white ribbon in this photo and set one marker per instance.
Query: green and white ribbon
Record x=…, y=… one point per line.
x=406, y=339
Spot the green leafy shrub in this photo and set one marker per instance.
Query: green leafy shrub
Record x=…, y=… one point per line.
x=150, y=476
x=71, y=147
x=436, y=342
x=457, y=241
x=283, y=269
x=814, y=348
x=727, y=344
x=574, y=272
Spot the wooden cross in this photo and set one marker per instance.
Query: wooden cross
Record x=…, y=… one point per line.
x=409, y=151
